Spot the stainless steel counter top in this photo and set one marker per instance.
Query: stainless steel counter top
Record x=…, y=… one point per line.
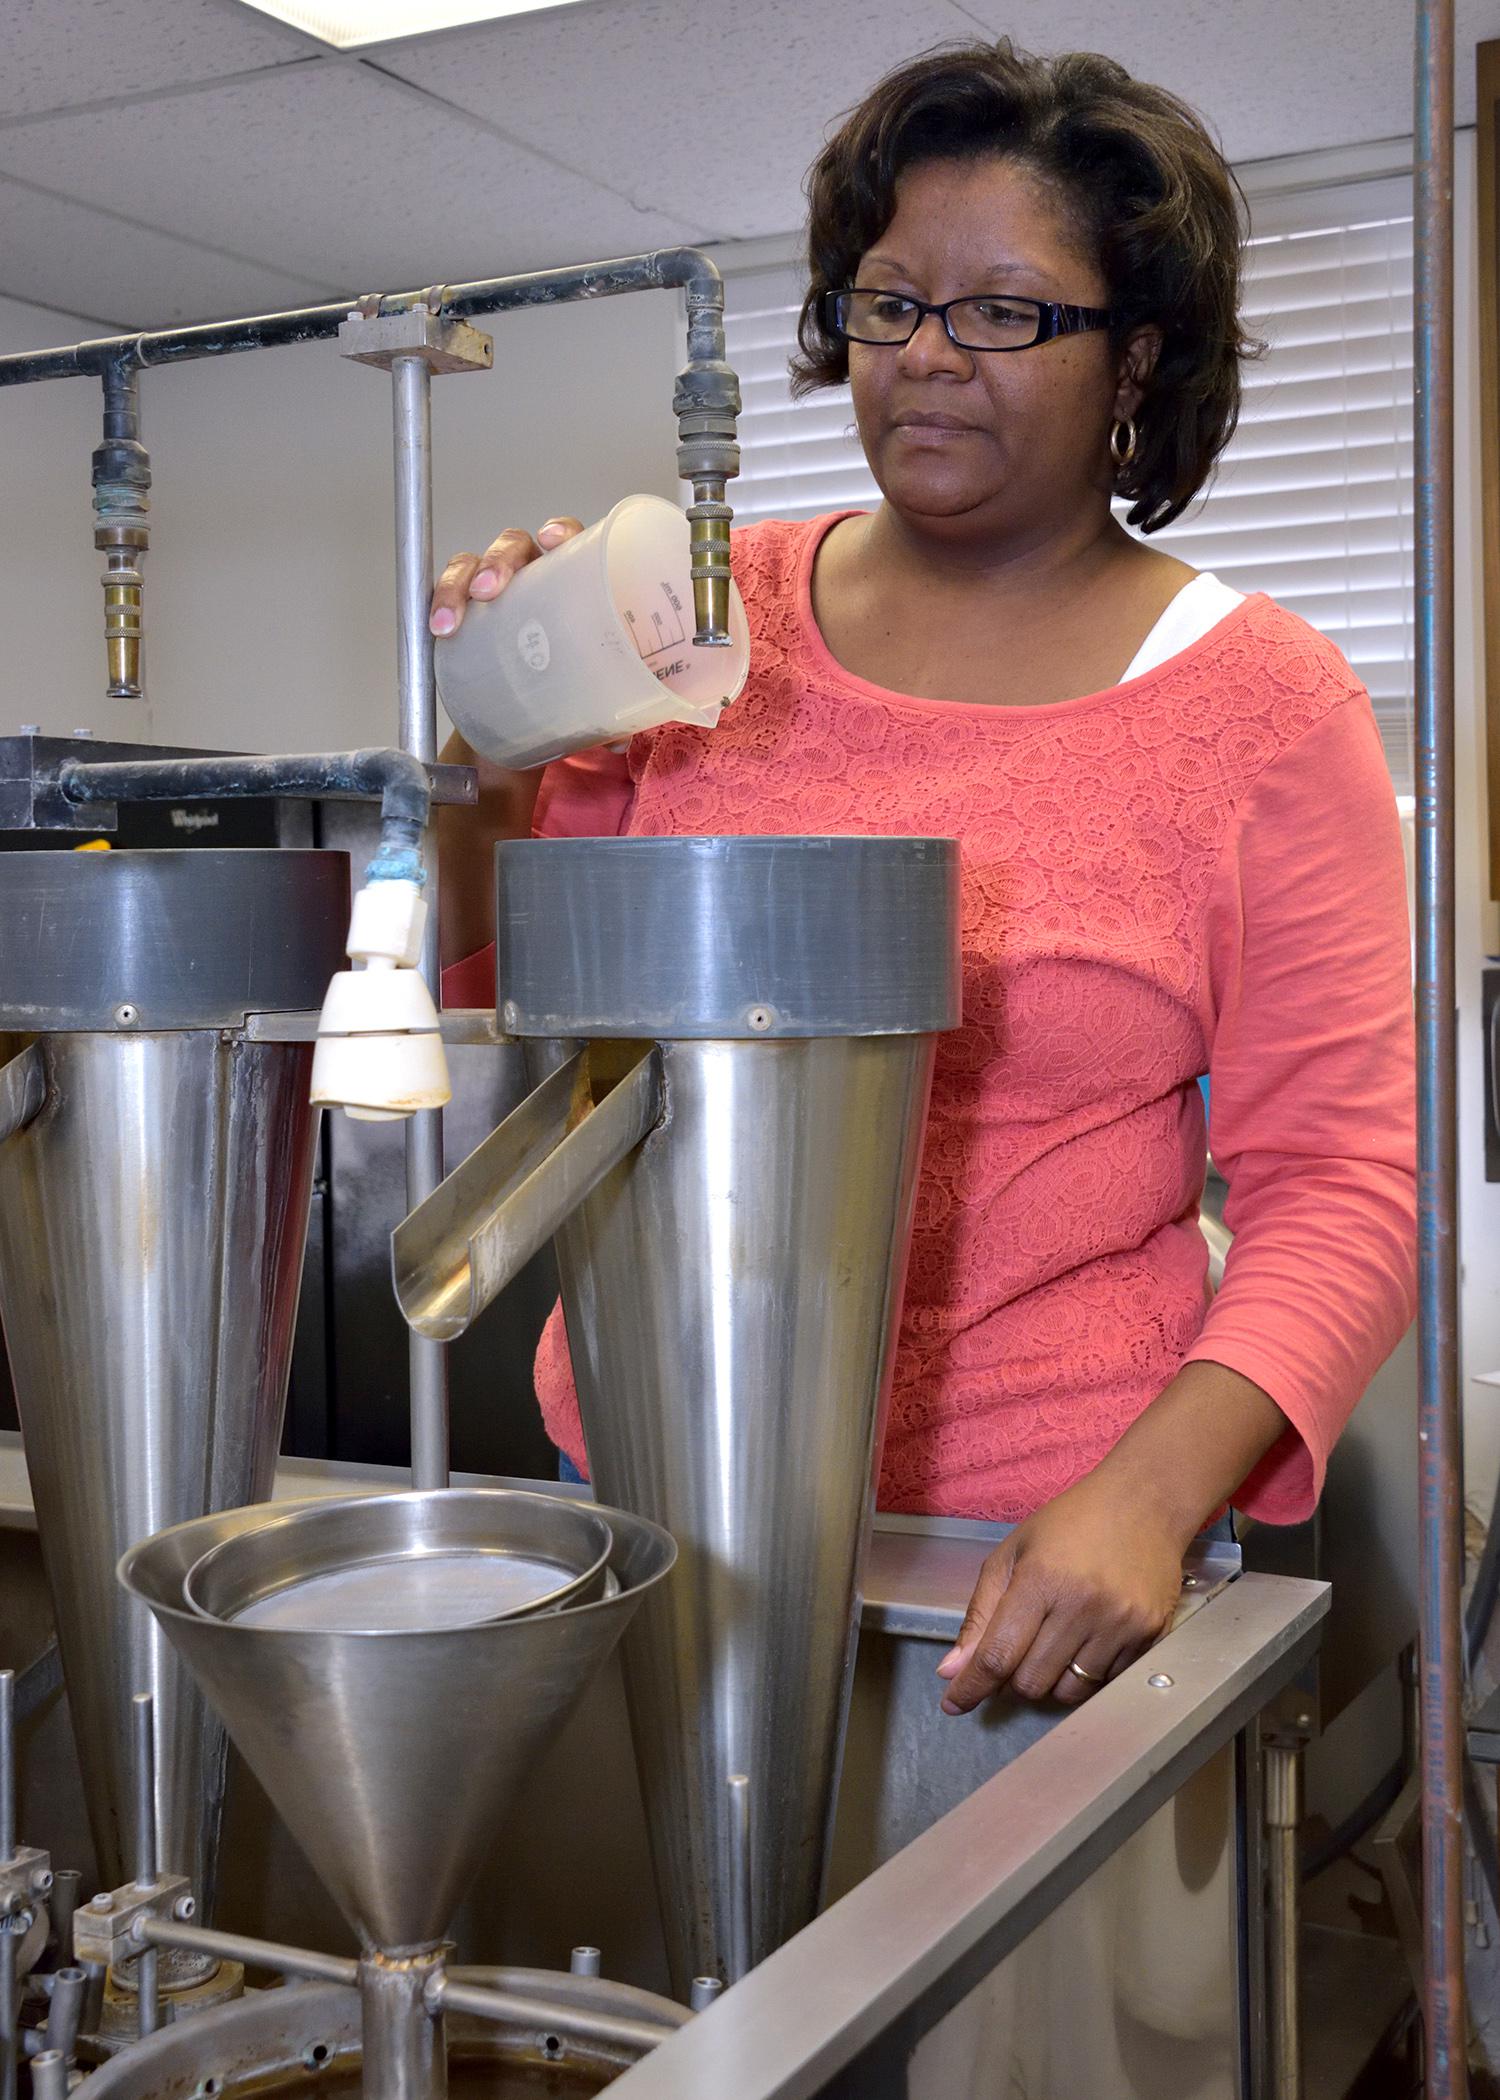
x=918, y=1582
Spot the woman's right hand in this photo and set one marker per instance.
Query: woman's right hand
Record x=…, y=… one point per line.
x=486, y=575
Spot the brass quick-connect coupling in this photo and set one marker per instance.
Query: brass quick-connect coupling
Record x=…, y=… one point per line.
x=122, y=609
x=707, y=402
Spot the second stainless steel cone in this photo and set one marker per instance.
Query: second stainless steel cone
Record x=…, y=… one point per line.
x=734, y=1392
x=393, y=1757
x=732, y=1290
x=153, y=1213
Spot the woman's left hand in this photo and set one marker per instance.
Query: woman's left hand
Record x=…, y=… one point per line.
x=1092, y=1578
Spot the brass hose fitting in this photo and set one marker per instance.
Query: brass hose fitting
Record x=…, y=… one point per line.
x=122, y=478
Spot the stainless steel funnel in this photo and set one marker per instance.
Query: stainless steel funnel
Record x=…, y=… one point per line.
x=155, y=1171
x=732, y=1220
x=393, y=1757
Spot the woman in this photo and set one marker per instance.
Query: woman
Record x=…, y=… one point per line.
x=1181, y=851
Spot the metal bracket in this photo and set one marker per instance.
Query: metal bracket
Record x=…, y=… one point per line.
x=473, y=1025
x=104, y=1930
x=445, y=344
x=25, y=1878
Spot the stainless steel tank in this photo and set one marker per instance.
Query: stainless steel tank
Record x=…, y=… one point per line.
x=732, y=1220
x=155, y=1170
x=288, y=2041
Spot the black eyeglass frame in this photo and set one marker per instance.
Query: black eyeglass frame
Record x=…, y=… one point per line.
x=1054, y=317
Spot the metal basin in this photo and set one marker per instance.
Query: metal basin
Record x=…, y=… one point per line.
x=393, y=1757
x=405, y=1563
x=305, y=2040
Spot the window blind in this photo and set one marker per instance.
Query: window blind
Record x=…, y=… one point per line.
x=1313, y=499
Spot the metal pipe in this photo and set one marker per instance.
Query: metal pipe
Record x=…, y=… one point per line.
x=65, y=2011
x=703, y=1992
x=7, y=1763
x=584, y=2023
x=254, y=1954
x=411, y=395
x=143, y=1850
x=706, y=400
x=95, y=1975
x=402, y=2031
x=740, y=1920
x=49, y=2075
x=9, y=2037
x=9, y=1922
x=122, y=478
x=1282, y=1769
x=62, y=1901
x=665, y=269
x=147, y=1980
x=1440, y=1446
x=398, y=779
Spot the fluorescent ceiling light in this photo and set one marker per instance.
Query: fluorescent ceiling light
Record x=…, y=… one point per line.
x=346, y=24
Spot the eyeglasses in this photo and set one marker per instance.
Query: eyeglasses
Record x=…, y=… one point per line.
x=990, y=323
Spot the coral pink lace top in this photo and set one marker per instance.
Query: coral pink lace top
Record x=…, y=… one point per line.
x=1198, y=871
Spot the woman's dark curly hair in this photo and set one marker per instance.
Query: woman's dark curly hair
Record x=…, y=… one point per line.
x=1149, y=189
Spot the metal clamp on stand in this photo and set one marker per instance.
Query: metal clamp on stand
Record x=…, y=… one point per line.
x=25, y=1880
x=105, y=1930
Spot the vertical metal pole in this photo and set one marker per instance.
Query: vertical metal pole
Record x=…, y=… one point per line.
x=148, y=2001
x=62, y=1902
x=9, y=1945
x=1440, y=1428
x=741, y=1922
x=1282, y=1769
x=7, y=1763
x=411, y=384
x=403, y=2043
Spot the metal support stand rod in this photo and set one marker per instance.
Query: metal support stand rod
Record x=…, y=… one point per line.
x=9, y=1939
x=554, y=2018
x=411, y=387
x=1440, y=1427
x=148, y=2001
x=741, y=1922
x=1282, y=1768
x=254, y=1954
x=62, y=1902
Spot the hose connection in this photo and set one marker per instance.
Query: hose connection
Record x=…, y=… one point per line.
x=122, y=480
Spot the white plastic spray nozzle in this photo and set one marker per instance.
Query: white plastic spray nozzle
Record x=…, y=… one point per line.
x=379, y=1054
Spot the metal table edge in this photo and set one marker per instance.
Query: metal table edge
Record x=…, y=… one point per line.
x=973, y=1886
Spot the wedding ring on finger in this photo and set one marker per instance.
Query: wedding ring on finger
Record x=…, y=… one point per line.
x=1076, y=1669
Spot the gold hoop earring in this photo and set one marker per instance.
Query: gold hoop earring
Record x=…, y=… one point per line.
x=1122, y=443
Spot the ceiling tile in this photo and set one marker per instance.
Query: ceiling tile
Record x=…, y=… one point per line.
x=710, y=113
x=58, y=53
x=1273, y=78
x=329, y=171
x=63, y=255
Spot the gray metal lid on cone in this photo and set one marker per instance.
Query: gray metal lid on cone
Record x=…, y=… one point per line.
x=392, y=1758
x=194, y=937
x=677, y=938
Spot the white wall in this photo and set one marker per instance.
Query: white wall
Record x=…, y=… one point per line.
x=268, y=585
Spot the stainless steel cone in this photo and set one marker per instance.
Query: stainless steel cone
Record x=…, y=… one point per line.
x=732, y=1291
x=734, y=1392
x=393, y=1757
x=154, y=1192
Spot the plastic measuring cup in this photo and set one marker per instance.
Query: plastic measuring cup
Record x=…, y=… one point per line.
x=590, y=644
